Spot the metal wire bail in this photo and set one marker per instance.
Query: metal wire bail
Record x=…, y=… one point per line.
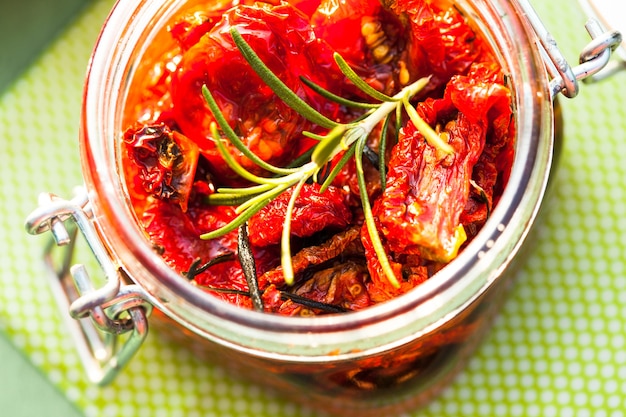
x=593, y=58
x=98, y=316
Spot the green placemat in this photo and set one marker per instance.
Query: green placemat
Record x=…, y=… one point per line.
x=26, y=28
x=557, y=349
x=19, y=379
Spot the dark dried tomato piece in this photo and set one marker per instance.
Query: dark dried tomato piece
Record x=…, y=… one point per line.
x=166, y=162
x=340, y=285
x=345, y=243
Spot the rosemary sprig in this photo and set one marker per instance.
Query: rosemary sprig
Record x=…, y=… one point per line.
x=285, y=241
x=349, y=137
x=338, y=167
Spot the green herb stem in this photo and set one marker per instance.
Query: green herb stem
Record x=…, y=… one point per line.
x=285, y=241
x=235, y=166
x=358, y=81
x=234, y=138
x=245, y=214
x=288, y=182
x=337, y=168
x=372, y=230
x=382, y=151
x=255, y=189
x=424, y=128
x=335, y=98
x=281, y=90
x=327, y=148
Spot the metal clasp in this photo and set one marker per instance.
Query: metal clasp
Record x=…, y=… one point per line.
x=593, y=58
x=102, y=314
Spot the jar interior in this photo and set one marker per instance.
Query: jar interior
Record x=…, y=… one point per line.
x=135, y=29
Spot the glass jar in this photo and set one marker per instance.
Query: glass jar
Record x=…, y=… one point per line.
x=382, y=360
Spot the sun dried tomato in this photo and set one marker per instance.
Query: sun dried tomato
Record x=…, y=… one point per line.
x=341, y=284
x=344, y=243
x=425, y=193
x=442, y=43
x=176, y=236
x=283, y=38
x=492, y=168
x=313, y=212
x=188, y=29
x=166, y=162
x=339, y=23
x=368, y=37
x=419, y=211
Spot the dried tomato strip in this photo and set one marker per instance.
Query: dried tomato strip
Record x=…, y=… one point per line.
x=313, y=212
x=345, y=242
x=419, y=211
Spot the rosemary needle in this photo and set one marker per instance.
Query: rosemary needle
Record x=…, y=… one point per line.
x=248, y=265
x=284, y=295
x=197, y=267
x=281, y=90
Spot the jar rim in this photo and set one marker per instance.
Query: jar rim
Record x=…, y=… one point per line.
x=457, y=284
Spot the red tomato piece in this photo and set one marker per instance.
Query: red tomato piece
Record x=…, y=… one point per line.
x=283, y=38
x=313, y=212
x=441, y=44
x=426, y=192
x=339, y=22
x=165, y=161
x=176, y=235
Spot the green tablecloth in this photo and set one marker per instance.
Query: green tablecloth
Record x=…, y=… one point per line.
x=558, y=348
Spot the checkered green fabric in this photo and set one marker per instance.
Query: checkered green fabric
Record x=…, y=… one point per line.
x=557, y=349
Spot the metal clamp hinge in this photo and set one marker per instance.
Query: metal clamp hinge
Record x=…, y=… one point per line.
x=98, y=317
x=593, y=58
